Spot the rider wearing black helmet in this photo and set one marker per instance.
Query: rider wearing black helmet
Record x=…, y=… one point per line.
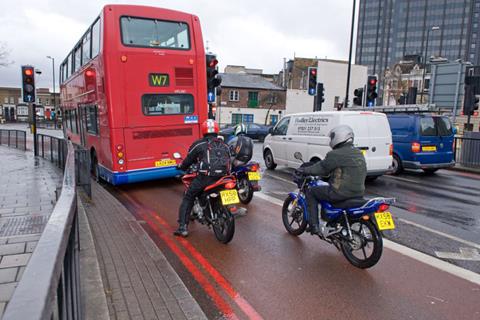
x=347, y=169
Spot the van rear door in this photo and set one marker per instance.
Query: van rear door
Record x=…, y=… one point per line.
x=436, y=140
x=380, y=136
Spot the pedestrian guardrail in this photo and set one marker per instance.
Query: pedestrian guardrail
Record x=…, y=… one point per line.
x=52, y=148
x=13, y=138
x=467, y=151
x=50, y=285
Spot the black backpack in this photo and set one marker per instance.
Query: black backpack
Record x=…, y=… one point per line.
x=243, y=149
x=218, y=157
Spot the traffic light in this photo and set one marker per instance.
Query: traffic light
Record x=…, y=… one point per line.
x=371, y=90
x=213, y=78
x=312, y=81
x=470, y=101
x=320, y=97
x=28, y=84
x=358, y=100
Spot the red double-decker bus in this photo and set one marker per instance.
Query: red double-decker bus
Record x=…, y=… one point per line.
x=133, y=91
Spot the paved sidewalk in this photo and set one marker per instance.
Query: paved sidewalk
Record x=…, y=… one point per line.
x=138, y=280
x=27, y=198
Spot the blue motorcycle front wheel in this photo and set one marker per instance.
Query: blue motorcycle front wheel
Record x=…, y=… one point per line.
x=293, y=217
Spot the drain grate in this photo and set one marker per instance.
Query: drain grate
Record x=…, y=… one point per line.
x=22, y=225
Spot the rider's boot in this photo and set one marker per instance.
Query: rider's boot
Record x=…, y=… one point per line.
x=182, y=231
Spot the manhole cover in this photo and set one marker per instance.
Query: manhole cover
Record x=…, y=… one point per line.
x=22, y=225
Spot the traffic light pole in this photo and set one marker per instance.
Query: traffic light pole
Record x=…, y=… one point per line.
x=34, y=129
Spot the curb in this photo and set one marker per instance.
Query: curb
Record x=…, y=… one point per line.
x=94, y=301
x=465, y=169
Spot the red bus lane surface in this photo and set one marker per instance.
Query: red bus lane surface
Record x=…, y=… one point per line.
x=266, y=273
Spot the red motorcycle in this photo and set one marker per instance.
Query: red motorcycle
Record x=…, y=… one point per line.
x=211, y=207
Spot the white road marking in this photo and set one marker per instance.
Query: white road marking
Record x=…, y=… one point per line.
x=470, y=254
x=469, y=243
x=279, y=178
x=401, y=179
x=414, y=254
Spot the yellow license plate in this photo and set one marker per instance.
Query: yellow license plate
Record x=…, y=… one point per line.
x=254, y=176
x=429, y=148
x=384, y=220
x=165, y=163
x=229, y=197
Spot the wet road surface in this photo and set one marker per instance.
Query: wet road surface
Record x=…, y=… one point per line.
x=266, y=273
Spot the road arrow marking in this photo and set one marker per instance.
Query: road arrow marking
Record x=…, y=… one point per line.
x=465, y=254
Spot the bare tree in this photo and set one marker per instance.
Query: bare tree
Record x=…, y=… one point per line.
x=4, y=54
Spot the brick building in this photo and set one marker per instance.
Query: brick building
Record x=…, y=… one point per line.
x=249, y=98
x=12, y=107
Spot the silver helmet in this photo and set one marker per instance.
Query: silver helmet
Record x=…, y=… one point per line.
x=340, y=134
x=240, y=129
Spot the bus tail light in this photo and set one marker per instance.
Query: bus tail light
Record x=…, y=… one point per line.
x=119, y=147
x=391, y=150
x=415, y=147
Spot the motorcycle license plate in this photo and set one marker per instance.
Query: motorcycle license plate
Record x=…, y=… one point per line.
x=229, y=197
x=254, y=176
x=384, y=220
x=165, y=163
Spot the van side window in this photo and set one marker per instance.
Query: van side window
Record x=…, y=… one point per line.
x=282, y=127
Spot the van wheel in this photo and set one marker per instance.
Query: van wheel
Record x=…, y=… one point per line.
x=268, y=157
x=429, y=171
x=397, y=166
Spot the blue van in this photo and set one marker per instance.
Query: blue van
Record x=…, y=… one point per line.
x=421, y=141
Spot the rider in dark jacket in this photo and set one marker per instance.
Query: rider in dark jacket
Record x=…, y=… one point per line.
x=347, y=169
x=196, y=154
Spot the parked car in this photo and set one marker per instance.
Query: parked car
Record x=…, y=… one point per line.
x=421, y=141
x=254, y=131
x=307, y=133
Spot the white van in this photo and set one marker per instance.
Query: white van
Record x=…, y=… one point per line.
x=308, y=134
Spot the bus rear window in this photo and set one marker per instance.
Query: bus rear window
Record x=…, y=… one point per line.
x=152, y=33
x=165, y=104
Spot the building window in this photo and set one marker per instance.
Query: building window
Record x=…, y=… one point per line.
x=234, y=95
x=252, y=99
x=273, y=119
x=12, y=100
x=5, y=100
x=242, y=118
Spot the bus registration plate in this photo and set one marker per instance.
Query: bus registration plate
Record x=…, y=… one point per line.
x=384, y=220
x=229, y=197
x=165, y=163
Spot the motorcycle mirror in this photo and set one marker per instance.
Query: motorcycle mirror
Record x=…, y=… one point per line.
x=177, y=155
x=297, y=155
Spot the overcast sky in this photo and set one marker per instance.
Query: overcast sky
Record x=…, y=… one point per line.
x=254, y=33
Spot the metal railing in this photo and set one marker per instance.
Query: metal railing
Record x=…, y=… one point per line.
x=467, y=151
x=13, y=138
x=50, y=285
x=52, y=148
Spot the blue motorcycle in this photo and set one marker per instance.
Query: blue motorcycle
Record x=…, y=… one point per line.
x=353, y=226
x=247, y=176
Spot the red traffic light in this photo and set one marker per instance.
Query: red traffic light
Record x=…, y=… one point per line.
x=373, y=81
x=313, y=71
x=28, y=72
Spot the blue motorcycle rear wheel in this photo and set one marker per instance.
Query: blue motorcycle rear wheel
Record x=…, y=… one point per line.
x=365, y=249
x=293, y=217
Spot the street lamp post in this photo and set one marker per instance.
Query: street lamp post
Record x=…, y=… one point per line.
x=425, y=59
x=350, y=55
x=54, y=96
